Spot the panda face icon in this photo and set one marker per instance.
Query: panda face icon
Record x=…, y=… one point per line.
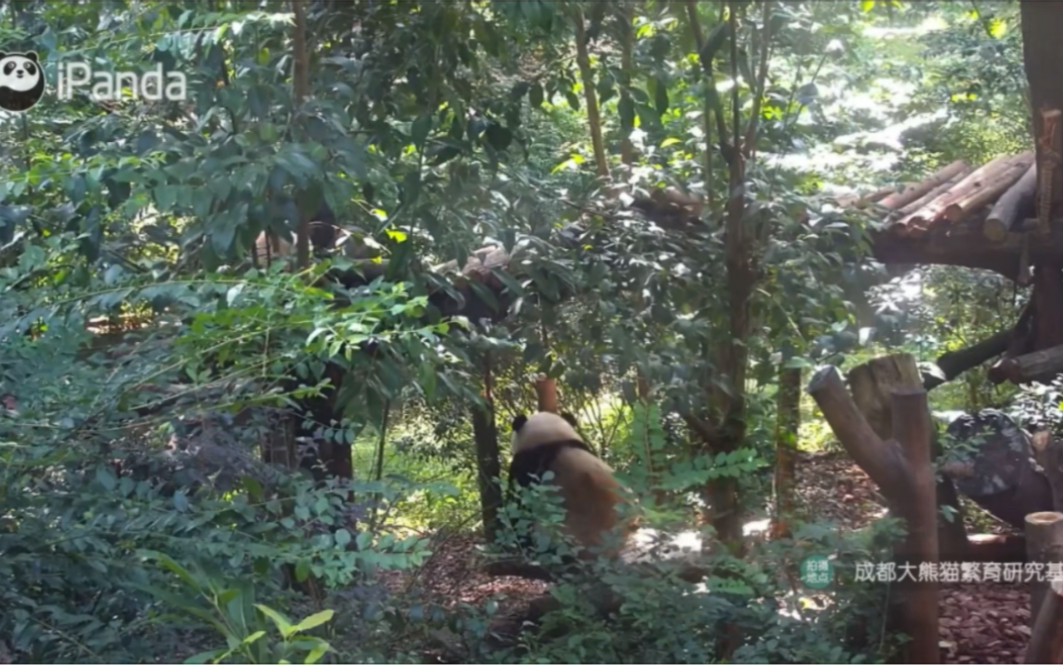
x=21, y=81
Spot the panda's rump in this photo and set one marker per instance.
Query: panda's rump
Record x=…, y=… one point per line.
x=590, y=493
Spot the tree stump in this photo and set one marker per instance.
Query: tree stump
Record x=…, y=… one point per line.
x=1046, y=643
x=1000, y=475
x=872, y=385
x=1044, y=545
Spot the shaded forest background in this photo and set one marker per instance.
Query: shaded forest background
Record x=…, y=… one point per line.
x=661, y=188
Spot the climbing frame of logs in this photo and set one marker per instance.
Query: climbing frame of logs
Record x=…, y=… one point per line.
x=999, y=216
x=950, y=195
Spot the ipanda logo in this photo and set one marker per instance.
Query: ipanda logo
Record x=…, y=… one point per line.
x=21, y=81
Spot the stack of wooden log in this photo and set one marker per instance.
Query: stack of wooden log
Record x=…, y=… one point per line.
x=956, y=191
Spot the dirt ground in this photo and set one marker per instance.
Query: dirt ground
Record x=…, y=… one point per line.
x=981, y=622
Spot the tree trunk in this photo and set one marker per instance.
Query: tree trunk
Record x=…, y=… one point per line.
x=990, y=189
x=787, y=423
x=1047, y=298
x=488, y=464
x=1049, y=453
x=583, y=59
x=954, y=363
x=734, y=352
x=627, y=47
x=300, y=91
x=916, y=191
x=488, y=467
x=1042, y=24
x=627, y=150
x=1039, y=365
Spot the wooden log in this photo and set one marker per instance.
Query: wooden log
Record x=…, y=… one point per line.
x=1002, y=548
x=912, y=427
x=1046, y=642
x=998, y=474
x=918, y=190
x=881, y=460
x=954, y=363
x=936, y=208
x=1049, y=453
x=932, y=194
x=1012, y=208
x=989, y=189
x=1021, y=343
x=1039, y=365
x=875, y=197
x=1044, y=545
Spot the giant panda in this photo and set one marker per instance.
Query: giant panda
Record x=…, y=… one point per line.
x=591, y=494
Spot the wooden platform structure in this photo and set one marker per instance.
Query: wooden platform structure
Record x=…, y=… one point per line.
x=992, y=218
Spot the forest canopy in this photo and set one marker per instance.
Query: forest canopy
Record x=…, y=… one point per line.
x=279, y=277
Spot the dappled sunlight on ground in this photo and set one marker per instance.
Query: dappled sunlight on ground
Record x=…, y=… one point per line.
x=980, y=622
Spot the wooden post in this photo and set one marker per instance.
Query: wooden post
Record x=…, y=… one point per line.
x=1046, y=643
x=546, y=392
x=912, y=428
x=1044, y=544
x=1042, y=23
x=1048, y=150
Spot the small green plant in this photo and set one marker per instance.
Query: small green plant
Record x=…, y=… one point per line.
x=230, y=610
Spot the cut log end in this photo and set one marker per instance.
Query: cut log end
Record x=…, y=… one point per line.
x=995, y=230
x=1044, y=517
x=822, y=379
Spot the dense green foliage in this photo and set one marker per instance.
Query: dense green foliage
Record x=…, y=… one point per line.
x=138, y=522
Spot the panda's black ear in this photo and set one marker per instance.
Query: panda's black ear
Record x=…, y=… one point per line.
x=569, y=418
x=2, y=55
x=519, y=421
x=32, y=55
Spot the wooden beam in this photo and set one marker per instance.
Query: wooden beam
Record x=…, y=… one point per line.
x=912, y=428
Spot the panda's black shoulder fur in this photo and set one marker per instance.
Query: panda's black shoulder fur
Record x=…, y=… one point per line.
x=528, y=465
